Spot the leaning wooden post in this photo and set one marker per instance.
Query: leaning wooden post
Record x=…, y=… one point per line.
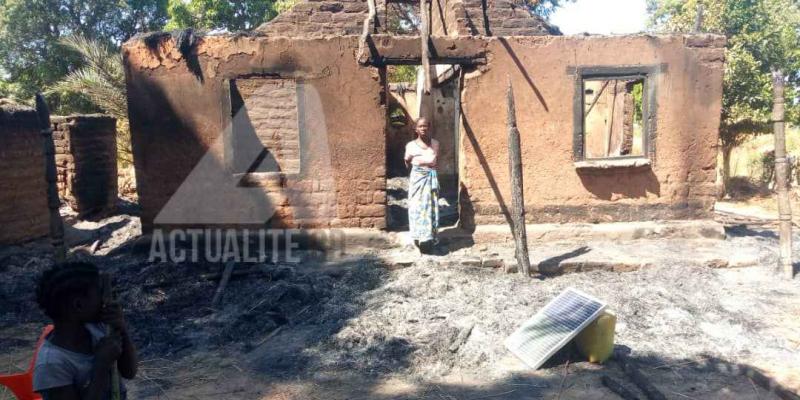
x=781, y=176
x=517, y=199
x=425, y=36
x=108, y=297
x=53, y=203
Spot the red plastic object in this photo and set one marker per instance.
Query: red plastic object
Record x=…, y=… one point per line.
x=22, y=384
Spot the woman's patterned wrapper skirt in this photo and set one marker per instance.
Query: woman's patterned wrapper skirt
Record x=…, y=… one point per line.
x=423, y=203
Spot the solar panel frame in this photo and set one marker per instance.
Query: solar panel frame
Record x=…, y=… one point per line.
x=519, y=341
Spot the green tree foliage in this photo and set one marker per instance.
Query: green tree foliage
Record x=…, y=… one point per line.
x=215, y=14
x=31, y=58
x=102, y=80
x=762, y=35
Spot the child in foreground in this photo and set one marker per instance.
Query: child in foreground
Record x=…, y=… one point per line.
x=75, y=360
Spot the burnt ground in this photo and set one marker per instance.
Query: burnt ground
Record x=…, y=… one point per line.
x=367, y=326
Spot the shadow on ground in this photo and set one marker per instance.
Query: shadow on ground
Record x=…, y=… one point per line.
x=743, y=230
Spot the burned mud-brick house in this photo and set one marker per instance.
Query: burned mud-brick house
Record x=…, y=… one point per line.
x=300, y=123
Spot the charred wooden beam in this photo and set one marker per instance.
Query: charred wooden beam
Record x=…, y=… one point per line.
x=406, y=50
x=617, y=387
x=638, y=378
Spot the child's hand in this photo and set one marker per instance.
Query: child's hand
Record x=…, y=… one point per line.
x=112, y=315
x=107, y=350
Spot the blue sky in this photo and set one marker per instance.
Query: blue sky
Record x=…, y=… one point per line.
x=601, y=17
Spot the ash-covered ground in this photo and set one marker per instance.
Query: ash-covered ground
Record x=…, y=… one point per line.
x=366, y=325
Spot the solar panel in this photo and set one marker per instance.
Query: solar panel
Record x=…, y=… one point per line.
x=553, y=326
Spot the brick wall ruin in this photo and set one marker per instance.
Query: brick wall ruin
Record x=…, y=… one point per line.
x=320, y=18
x=181, y=134
x=685, y=82
x=23, y=191
x=86, y=161
x=265, y=109
x=487, y=18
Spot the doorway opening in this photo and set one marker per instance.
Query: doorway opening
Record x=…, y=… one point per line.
x=406, y=102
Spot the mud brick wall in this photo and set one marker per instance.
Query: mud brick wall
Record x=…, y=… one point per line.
x=501, y=18
x=269, y=110
x=679, y=183
x=181, y=125
x=448, y=18
x=23, y=190
x=86, y=161
x=323, y=18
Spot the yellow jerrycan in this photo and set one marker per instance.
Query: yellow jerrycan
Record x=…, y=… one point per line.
x=596, y=341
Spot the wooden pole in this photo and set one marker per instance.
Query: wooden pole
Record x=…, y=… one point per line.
x=517, y=198
x=610, y=128
x=596, y=97
x=698, y=19
x=781, y=176
x=53, y=202
x=425, y=36
x=107, y=299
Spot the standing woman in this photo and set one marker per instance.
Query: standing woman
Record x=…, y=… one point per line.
x=423, y=187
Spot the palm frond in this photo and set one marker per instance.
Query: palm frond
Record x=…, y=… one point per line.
x=98, y=57
x=102, y=79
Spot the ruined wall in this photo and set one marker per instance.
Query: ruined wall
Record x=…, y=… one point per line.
x=182, y=116
x=23, y=190
x=679, y=183
x=448, y=18
x=486, y=18
x=86, y=162
x=181, y=119
x=322, y=18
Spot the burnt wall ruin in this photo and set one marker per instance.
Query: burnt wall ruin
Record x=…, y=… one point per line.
x=179, y=120
x=23, y=191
